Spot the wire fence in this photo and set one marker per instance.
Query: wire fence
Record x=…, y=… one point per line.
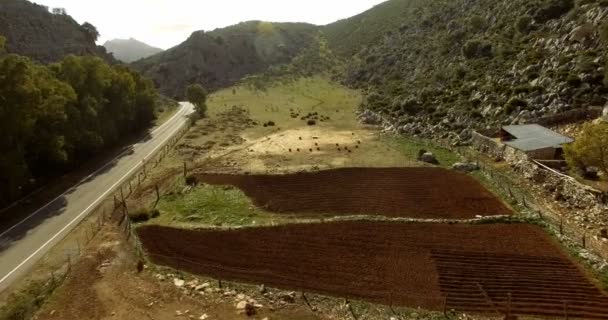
x=536, y=205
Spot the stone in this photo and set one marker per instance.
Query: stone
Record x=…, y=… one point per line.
x=429, y=157
x=605, y=114
x=178, y=282
x=289, y=297
x=204, y=316
x=202, y=287
x=241, y=304
x=465, y=167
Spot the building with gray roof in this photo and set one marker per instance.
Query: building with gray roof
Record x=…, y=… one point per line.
x=536, y=141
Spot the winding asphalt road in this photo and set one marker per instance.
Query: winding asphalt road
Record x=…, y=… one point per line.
x=26, y=242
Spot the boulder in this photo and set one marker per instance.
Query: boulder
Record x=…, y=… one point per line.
x=289, y=297
x=428, y=157
x=465, y=167
x=178, y=282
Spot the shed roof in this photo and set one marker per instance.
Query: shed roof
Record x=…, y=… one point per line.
x=534, y=137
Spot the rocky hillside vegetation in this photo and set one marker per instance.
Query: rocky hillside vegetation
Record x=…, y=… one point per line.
x=33, y=31
x=224, y=56
x=129, y=50
x=441, y=67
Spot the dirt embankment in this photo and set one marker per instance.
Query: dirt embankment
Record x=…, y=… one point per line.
x=467, y=267
x=395, y=192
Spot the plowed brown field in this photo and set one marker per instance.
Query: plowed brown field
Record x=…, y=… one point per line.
x=395, y=192
x=469, y=267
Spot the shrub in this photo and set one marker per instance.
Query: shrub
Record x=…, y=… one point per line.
x=514, y=104
x=574, y=80
x=191, y=180
x=604, y=31
x=553, y=9
x=477, y=23
x=589, y=149
x=524, y=24
x=477, y=49
x=143, y=214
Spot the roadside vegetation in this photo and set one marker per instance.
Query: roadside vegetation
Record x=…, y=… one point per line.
x=56, y=117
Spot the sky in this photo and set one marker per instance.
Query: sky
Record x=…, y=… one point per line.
x=166, y=23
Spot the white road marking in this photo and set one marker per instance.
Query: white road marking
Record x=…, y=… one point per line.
x=85, y=211
x=86, y=178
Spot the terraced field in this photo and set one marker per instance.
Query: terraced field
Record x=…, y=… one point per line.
x=433, y=193
x=465, y=267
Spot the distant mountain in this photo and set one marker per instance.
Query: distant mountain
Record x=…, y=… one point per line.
x=129, y=50
x=221, y=57
x=31, y=30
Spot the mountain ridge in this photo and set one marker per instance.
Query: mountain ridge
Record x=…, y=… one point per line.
x=223, y=56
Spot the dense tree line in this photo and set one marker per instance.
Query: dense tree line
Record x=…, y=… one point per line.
x=55, y=117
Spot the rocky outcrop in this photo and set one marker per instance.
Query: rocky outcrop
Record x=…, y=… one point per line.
x=546, y=66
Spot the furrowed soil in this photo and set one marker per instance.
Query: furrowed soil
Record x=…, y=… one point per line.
x=395, y=192
x=471, y=268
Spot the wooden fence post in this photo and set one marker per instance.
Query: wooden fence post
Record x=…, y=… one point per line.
x=185, y=170
x=157, y=196
x=584, y=241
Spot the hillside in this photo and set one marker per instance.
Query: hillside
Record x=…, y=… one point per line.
x=221, y=57
x=438, y=68
x=129, y=50
x=31, y=30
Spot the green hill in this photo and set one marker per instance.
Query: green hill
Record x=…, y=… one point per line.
x=222, y=57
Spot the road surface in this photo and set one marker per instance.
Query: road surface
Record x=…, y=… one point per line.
x=26, y=242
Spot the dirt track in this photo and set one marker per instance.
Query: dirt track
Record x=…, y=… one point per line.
x=473, y=267
x=395, y=192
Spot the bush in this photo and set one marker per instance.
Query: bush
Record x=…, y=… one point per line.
x=574, y=80
x=477, y=23
x=191, y=180
x=524, y=24
x=589, y=149
x=514, y=104
x=553, y=9
x=477, y=49
x=143, y=215
x=604, y=31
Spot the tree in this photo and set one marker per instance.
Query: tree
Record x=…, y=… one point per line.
x=197, y=95
x=590, y=148
x=90, y=31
